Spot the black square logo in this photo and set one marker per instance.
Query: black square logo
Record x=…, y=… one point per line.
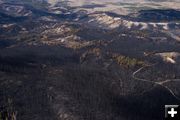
x=172, y=112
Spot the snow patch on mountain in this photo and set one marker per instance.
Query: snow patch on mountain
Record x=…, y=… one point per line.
x=170, y=57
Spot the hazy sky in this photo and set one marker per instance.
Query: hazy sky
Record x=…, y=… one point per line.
x=82, y=2
x=103, y=1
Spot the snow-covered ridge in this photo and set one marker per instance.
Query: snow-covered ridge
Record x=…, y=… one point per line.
x=55, y=29
x=108, y=22
x=6, y=25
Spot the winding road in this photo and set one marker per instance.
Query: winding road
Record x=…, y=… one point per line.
x=161, y=83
